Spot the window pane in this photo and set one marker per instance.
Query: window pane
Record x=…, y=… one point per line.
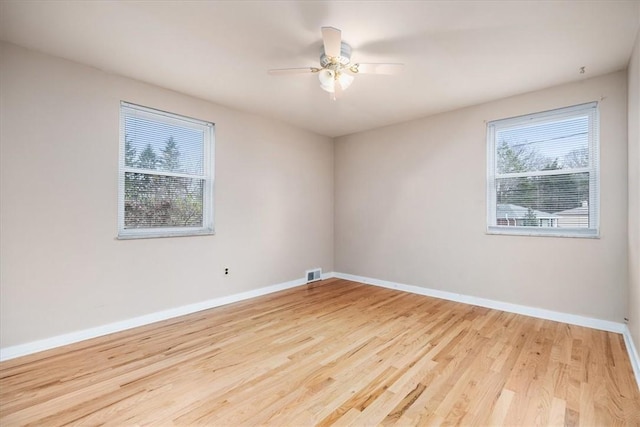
x=151, y=144
x=543, y=201
x=562, y=144
x=161, y=201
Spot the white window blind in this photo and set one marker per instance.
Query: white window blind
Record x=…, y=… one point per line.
x=543, y=173
x=165, y=183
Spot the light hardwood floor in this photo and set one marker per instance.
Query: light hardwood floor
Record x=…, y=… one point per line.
x=336, y=352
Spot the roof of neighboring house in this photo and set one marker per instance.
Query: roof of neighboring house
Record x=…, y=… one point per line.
x=519, y=212
x=579, y=211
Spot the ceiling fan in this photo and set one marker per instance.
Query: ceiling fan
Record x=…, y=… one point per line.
x=336, y=72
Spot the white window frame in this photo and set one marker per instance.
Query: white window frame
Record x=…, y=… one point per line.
x=593, y=231
x=207, y=176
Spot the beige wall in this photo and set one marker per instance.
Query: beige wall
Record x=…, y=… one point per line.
x=634, y=193
x=62, y=269
x=410, y=208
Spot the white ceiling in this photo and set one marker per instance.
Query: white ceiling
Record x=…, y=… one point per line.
x=457, y=53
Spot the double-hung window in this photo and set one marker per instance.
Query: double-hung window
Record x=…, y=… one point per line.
x=543, y=173
x=166, y=178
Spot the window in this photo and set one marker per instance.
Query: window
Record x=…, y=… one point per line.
x=543, y=173
x=165, y=182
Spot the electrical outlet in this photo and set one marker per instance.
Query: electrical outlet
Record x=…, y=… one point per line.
x=226, y=271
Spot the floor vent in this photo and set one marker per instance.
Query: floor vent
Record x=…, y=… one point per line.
x=314, y=275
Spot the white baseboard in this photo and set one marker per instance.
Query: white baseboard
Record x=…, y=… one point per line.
x=633, y=353
x=85, y=334
x=572, y=319
x=329, y=275
x=73, y=337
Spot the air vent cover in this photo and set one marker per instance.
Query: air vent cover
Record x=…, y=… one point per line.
x=314, y=275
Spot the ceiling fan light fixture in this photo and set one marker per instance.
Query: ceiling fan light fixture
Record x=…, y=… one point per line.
x=327, y=79
x=345, y=80
x=328, y=88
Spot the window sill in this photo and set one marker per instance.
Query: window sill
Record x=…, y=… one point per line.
x=582, y=233
x=164, y=234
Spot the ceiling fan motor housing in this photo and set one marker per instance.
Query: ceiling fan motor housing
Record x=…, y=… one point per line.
x=343, y=59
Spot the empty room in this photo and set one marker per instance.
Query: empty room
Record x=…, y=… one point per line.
x=296, y=213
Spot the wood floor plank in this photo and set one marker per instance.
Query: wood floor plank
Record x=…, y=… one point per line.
x=332, y=353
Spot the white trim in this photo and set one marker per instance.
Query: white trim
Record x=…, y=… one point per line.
x=572, y=319
x=582, y=233
x=544, y=116
x=593, y=143
x=85, y=334
x=633, y=353
x=207, y=176
x=73, y=337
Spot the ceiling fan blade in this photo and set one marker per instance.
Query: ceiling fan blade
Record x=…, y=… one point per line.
x=280, y=71
x=332, y=38
x=376, y=68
